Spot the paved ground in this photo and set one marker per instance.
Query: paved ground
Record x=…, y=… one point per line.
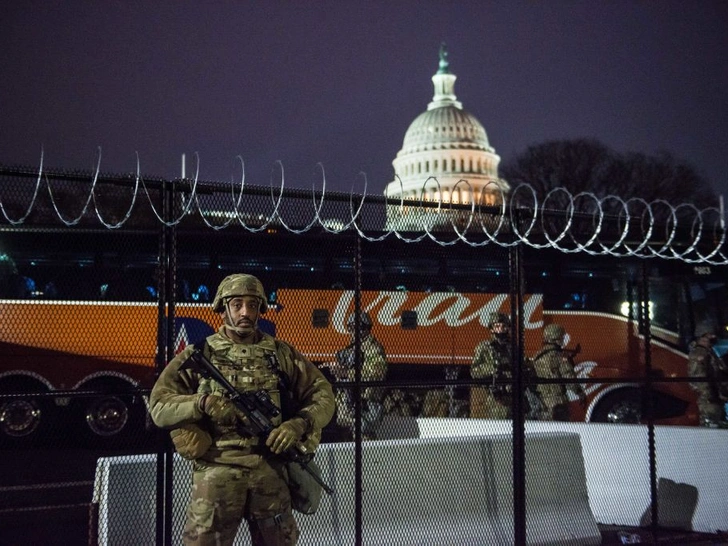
x=63, y=527
x=69, y=527
x=636, y=535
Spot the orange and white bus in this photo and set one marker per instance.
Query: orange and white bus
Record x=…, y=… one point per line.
x=86, y=326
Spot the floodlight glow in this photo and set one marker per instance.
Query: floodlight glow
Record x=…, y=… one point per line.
x=624, y=309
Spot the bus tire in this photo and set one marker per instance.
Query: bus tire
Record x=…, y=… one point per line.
x=26, y=420
x=114, y=417
x=623, y=406
x=107, y=415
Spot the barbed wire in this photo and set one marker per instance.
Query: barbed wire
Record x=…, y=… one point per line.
x=570, y=223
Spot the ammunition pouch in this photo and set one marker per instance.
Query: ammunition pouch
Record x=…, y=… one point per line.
x=305, y=491
x=190, y=441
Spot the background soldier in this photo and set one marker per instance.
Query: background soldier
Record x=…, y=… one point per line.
x=374, y=368
x=492, y=361
x=704, y=363
x=237, y=474
x=554, y=362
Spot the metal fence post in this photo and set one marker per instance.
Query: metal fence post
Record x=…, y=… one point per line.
x=515, y=257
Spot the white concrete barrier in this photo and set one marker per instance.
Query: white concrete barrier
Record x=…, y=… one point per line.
x=440, y=491
x=616, y=461
x=415, y=491
x=125, y=496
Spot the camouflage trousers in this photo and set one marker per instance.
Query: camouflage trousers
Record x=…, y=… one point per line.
x=224, y=495
x=558, y=412
x=371, y=417
x=711, y=411
x=555, y=407
x=484, y=405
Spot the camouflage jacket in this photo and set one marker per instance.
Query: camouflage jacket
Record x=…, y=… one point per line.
x=551, y=362
x=175, y=396
x=374, y=365
x=492, y=358
x=704, y=363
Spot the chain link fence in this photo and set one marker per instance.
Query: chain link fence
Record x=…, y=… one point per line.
x=103, y=279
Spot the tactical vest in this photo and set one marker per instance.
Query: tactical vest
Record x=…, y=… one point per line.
x=501, y=354
x=247, y=368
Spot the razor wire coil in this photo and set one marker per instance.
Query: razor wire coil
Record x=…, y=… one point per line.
x=580, y=223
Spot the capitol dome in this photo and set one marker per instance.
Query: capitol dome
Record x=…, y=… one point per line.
x=445, y=127
x=446, y=156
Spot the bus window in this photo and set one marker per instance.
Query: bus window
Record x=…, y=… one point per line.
x=664, y=302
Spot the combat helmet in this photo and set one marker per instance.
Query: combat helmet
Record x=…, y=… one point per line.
x=239, y=284
x=554, y=333
x=364, y=318
x=496, y=317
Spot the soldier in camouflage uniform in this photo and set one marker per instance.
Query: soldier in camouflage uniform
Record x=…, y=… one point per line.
x=492, y=361
x=237, y=475
x=704, y=363
x=374, y=368
x=553, y=362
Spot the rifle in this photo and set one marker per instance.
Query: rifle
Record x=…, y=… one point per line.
x=256, y=406
x=573, y=352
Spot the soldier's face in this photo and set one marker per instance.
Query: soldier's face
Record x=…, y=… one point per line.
x=242, y=313
x=500, y=329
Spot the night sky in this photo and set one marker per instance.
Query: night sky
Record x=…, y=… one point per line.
x=340, y=82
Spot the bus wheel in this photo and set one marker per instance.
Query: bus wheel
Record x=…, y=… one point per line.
x=28, y=419
x=622, y=406
x=107, y=415
x=20, y=418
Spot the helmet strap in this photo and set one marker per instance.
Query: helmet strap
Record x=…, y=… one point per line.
x=228, y=320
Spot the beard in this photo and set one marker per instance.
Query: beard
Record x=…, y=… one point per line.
x=242, y=328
